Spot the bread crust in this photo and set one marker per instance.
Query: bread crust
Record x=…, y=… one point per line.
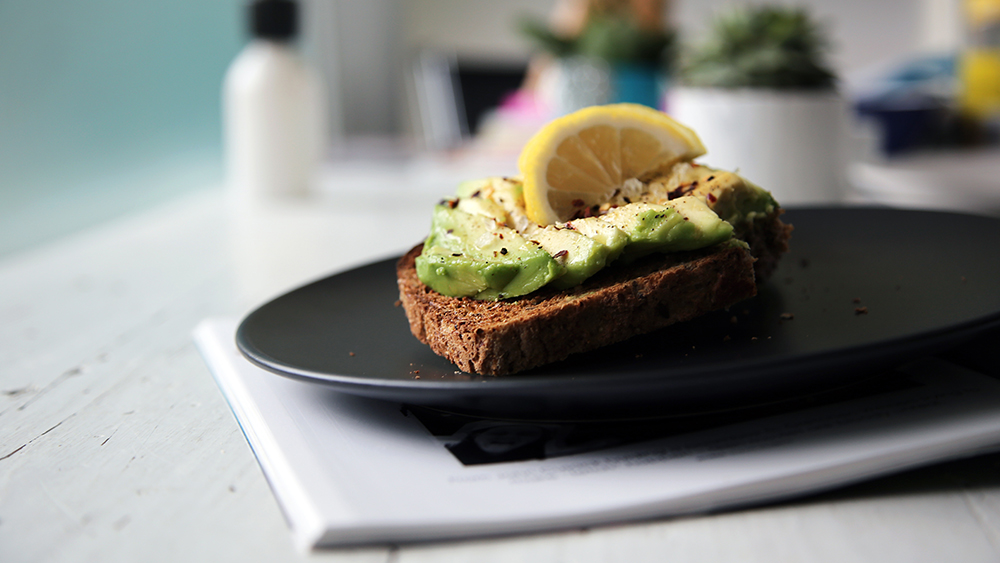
x=768, y=238
x=513, y=335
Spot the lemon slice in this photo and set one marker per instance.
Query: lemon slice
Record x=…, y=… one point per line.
x=579, y=160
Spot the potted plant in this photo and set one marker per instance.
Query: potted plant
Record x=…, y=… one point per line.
x=762, y=100
x=605, y=52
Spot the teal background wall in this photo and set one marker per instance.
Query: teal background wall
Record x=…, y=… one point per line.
x=107, y=106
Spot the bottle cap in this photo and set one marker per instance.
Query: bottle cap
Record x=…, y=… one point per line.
x=274, y=19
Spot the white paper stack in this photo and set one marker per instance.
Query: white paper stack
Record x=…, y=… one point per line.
x=351, y=470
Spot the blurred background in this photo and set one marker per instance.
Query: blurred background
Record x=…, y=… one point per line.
x=112, y=106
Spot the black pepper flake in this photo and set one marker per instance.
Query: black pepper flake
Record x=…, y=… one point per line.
x=861, y=310
x=456, y=253
x=500, y=235
x=503, y=250
x=476, y=193
x=681, y=190
x=449, y=231
x=710, y=178
x=627, y=200
x=560, y=254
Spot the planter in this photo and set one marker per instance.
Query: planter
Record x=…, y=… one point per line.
x=790, y=143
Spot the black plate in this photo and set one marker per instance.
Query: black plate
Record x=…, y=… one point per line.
x=861, y=290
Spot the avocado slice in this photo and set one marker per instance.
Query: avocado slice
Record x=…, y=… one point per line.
x=508, y=193
x=476, y=255
x=685, y=223
x=483, y=207
x=603, y=232
x=468, y=188
x=481, y=244
x=578, y=255
x=733, y=198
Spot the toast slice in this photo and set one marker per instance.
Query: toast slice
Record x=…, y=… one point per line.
x=768, y=238
x=504, y=337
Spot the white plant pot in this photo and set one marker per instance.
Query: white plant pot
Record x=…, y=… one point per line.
x=790, y=143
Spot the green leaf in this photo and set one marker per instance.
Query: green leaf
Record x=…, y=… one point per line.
x=762, y=47
x=612, y=38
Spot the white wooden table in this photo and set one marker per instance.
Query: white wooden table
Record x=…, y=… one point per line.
x=116, y=445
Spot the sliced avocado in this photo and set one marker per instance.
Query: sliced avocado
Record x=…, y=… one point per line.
x=685, y=223
x=482, y=245
x=733, y=198
x=603, y=232
x=482, y=206
x=578, y=256
x=508, y=193
x=475, y=255
x=470, y=187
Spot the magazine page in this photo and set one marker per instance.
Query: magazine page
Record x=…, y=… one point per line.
x=352, y=470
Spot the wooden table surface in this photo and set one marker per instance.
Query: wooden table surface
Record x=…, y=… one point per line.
x=116, y=445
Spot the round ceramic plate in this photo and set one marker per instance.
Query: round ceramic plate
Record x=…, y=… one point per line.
x=861, y=290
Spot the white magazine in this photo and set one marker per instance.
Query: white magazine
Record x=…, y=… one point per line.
x=350, y=470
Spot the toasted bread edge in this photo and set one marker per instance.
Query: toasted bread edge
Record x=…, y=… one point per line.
x=509, y=336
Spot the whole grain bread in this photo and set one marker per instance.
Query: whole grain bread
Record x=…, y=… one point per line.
x=768, y=239
x=504, y=337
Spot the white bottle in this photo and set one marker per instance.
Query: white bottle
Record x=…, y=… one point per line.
x=272, y=111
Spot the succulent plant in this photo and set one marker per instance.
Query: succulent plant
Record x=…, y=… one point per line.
x=761, y=47
x=612, y=38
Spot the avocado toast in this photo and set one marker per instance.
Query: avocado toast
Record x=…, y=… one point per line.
x=521, y=272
